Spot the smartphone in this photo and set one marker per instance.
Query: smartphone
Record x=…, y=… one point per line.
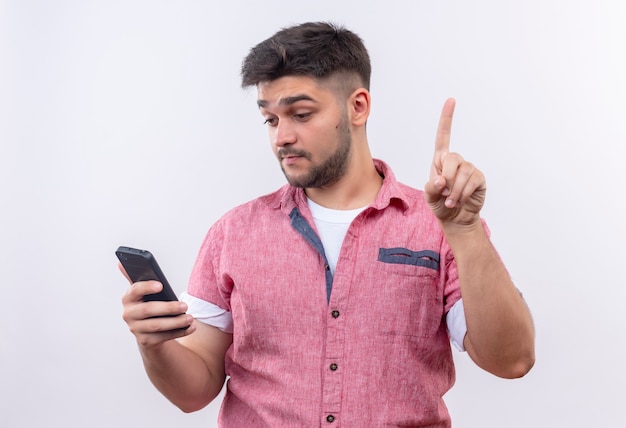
x=140, y=265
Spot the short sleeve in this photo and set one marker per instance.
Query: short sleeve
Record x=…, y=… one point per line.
x=206, y=282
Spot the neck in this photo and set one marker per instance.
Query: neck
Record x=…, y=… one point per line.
x=356, y=189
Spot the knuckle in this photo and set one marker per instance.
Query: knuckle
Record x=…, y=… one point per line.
x=135, y=292
x=144, y=340
x=154, y=325
x=145, y=311
x=454, y=156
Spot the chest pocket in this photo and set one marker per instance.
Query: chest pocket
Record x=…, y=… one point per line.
x=411, y=301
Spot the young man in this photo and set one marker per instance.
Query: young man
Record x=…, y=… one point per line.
x=333, y=300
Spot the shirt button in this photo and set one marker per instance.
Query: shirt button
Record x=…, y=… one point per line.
x=327, y=266
x=334, y=367
x=330, y=418
x=335, y=314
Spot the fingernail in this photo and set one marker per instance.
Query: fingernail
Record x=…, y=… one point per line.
x=450, y=203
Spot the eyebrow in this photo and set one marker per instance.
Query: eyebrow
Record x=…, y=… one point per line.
x=286, y=101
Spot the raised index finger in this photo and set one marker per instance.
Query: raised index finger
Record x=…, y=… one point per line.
x=442, y=140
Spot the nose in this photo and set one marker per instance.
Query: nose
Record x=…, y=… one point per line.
x=283, y=134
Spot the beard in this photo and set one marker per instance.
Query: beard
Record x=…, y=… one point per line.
x=330, y=170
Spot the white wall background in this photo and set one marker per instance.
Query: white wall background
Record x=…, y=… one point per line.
x=122, y=122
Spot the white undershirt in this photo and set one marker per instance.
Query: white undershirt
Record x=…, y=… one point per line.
x=332, y=226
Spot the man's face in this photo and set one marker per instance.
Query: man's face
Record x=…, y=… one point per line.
x=308, y=129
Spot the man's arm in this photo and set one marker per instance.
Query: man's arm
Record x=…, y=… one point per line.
x=183, y=358
x=500, y=333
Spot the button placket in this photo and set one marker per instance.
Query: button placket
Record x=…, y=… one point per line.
x=333, y=377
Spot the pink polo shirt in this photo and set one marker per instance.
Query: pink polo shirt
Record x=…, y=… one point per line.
x=365, y=347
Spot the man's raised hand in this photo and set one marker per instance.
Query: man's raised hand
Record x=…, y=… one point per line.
x=456, y=189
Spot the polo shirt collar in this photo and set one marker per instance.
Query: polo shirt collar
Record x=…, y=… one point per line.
x=290, y=197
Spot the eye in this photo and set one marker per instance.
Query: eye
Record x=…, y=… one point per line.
x=302, y=116
x=271, y=121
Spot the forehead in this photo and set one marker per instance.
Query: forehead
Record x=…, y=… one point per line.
x=288, y=90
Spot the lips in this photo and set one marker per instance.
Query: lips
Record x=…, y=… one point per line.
x=290, y=159
x=291, y=156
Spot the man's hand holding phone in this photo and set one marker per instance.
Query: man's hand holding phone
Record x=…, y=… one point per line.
x=150, y=308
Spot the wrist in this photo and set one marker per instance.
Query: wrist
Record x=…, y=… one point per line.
x=465, y=234
x=462, y=228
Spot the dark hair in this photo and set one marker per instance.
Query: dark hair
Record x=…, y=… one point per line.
x=314, y=49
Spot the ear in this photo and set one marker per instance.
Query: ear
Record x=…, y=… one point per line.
x=359, y=104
